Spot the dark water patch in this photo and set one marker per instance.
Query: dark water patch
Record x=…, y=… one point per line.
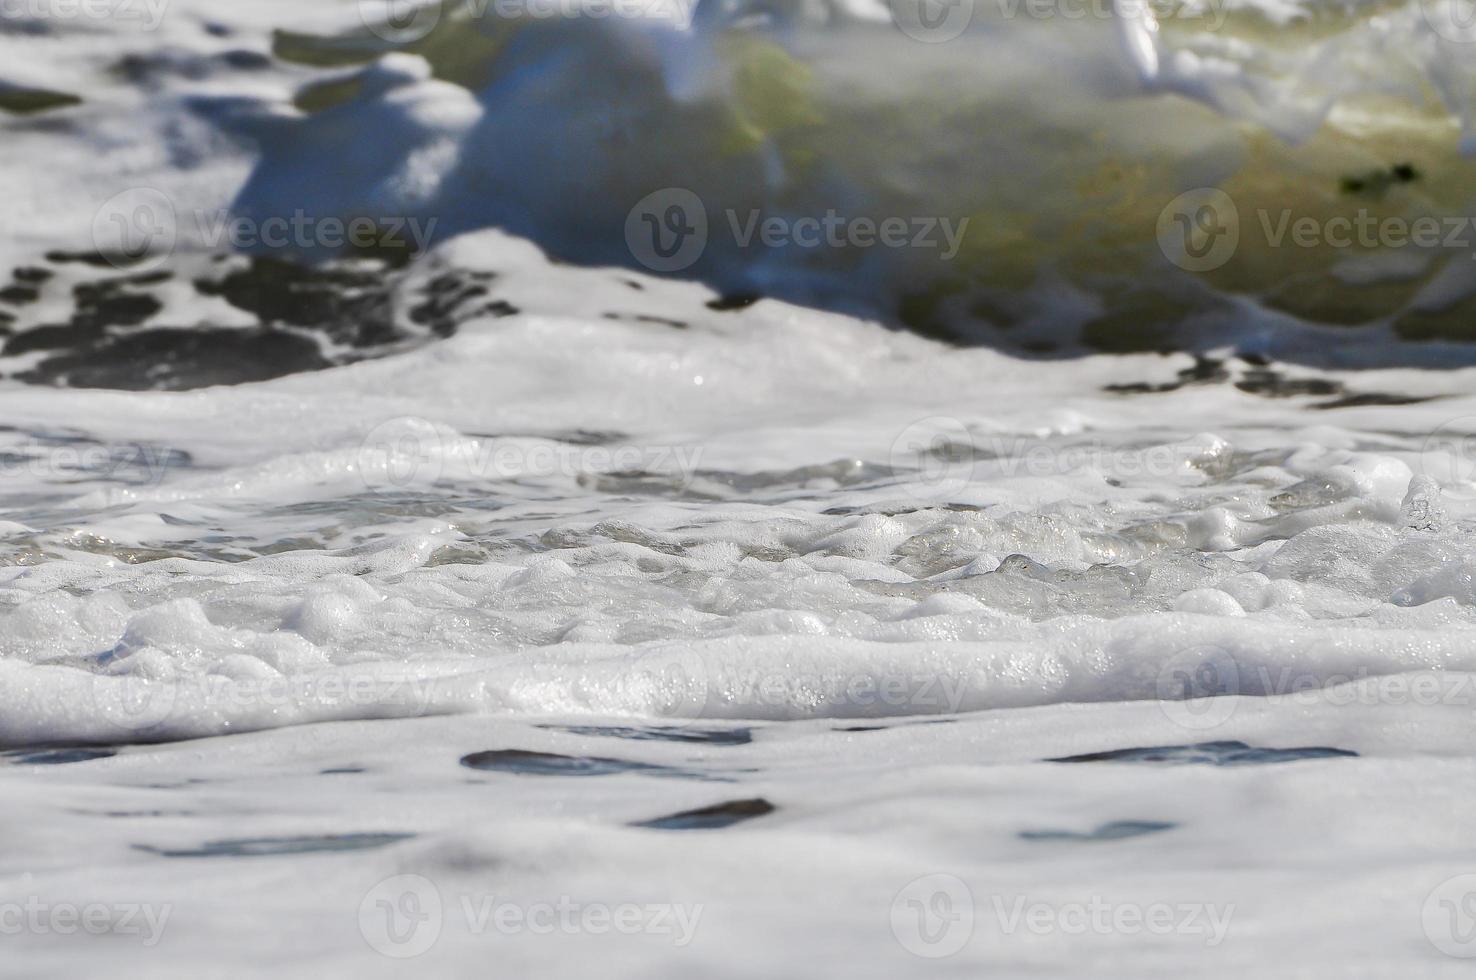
x=243, y=60
x=1367, y=398
x=51, y=337
x=903, y=724
x=662, y=733
x=712, y=817
x=500, y=308
x=447, y=300
x=135, y=814
x=96, y=259
x=1275, y=384
x=659, y=321
x=734, y=301
x=1375, y=184
x=1257, y=378
x=178, y=359
x=525, y=763
x=181, y=784
x=1227, y=753
x=31, y=275
x=1205, y=370
x=327, y=94
x=1261, y=379
x=20, y=101
x=19, y=295
x=154, y=68
x=57, y=756
x=643, y=483
x=26, y=26
x=99, y=306
x=589, y=437
x=1115, y=830
x=277, y=846
x=349, y=301
x=114, y=303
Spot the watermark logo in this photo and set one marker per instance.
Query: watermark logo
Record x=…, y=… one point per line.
x=401, y=21
x=941, y=452
x=1448, y=457
x=932, y=21
x=401, y=917
x=669, y=683
x=1199, y=230
x=1449, y=916
x=136, y=230
x=1196, y=688
x=404, y=916
x=933, y=916
x=667, y=230
x=133, y=705
x=401, y=452
x=1453, y=20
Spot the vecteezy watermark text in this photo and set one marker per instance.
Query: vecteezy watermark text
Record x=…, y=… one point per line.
x=670, y=230
x=1199, y=687
x=937, y=915
x=135, y=464
x=140, y=228
x=403, y=916
x=869, y=693
x=1103, y=917
x=149, y=14
x=134, y=705
x=1203, y=229
x=38, y=917
x=301, y=230
x=409, y=21
x=938, y=21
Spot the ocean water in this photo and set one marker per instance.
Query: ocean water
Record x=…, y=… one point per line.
x=737, y=490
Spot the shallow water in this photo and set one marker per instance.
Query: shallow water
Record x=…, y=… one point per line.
x=513, y=603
